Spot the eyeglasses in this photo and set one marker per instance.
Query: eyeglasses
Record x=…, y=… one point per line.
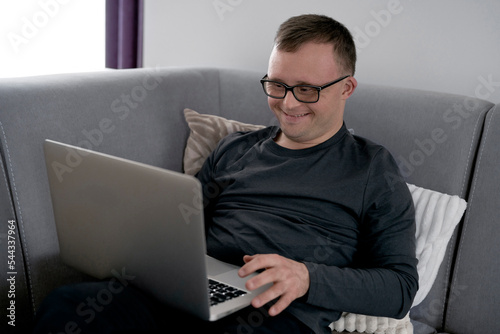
x=303, y=93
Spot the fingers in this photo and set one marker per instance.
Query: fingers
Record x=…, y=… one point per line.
x=289, y=279
x=254, y=263
x=276, y=291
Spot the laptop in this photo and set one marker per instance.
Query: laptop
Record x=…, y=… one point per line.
x=142, y=224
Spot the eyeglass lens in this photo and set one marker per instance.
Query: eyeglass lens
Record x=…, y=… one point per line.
x=301, y=93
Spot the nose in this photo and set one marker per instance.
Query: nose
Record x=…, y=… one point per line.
x=290, y=102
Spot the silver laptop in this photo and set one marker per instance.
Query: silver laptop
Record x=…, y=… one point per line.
x=142, y=224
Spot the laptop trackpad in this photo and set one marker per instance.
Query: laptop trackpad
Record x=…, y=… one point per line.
x=216, y=267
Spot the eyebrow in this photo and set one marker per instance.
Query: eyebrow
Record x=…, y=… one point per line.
x=299, y=83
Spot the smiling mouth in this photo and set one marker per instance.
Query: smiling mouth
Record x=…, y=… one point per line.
x=296, y=116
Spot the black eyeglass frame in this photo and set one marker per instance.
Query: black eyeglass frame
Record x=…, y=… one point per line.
x=291, y=88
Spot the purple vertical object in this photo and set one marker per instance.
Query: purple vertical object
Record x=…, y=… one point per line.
x=124, y=22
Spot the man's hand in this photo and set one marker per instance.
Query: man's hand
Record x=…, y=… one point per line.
x=290, y=280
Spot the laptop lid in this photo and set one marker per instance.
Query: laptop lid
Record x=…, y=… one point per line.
x=114, y=215
x=119, y=217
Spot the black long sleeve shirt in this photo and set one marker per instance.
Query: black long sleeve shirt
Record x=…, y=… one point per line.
x=335, y=207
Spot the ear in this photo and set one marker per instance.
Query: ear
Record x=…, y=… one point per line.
x=349, y=85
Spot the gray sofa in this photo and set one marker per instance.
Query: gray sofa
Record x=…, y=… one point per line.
x=443, y=142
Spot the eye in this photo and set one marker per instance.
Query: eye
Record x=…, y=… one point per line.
x=306, y=90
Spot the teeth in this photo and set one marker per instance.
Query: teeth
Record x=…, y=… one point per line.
x=298, y=115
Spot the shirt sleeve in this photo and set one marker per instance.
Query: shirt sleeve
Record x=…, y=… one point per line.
x=383, y=279
x=210, y=188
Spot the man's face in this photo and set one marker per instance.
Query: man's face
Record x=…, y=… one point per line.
x=308, y=124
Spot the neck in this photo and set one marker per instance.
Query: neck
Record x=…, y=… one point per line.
x=294, y=144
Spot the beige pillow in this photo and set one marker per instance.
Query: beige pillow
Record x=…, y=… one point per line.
x=436, y=217
x=206, y=132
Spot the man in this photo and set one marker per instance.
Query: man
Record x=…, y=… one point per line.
x=304, y=204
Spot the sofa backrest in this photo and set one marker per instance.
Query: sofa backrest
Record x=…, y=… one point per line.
x=474, y=298
x=137, y=114
x=434, y=138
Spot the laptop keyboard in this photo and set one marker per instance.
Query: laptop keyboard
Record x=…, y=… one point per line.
x=220, y=292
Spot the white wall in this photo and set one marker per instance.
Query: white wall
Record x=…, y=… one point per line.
x=448, y=45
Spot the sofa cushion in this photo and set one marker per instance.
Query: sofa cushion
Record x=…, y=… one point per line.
x=350, y=322
x=431, y=135
x=205, y=132
x=436, y=215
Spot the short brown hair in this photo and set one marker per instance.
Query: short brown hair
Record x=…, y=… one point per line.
x=299, y=30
